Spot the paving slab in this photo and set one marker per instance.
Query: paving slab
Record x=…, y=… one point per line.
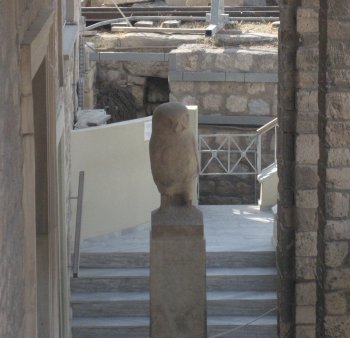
x=226, y=228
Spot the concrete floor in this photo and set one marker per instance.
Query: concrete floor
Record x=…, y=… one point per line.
x=227, y=228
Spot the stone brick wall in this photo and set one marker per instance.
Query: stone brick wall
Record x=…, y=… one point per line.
x=306, y=168
x=313, y=231
x=17, y=17
x=335, y=108
x=226, y=82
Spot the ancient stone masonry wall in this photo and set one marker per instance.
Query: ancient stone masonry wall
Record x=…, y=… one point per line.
x=135, y=78
x=306, y=168
x=336, y=184
x=230, y=81
x=227, y=82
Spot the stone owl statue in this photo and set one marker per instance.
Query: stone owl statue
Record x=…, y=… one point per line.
x=173, y=153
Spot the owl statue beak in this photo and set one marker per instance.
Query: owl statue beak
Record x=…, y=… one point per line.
x=177, y=128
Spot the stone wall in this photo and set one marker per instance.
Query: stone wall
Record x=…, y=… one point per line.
x=334, y=318
x=227, y=82
x=306, y=171
x=145, y=82
x=16, y=289
x=313, y=235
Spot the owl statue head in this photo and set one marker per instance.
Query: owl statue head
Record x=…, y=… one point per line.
x=171, y=117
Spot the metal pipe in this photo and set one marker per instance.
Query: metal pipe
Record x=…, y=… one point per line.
x=159, y=18
x=76, y=257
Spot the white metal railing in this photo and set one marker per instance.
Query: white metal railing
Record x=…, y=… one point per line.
x=235, y=154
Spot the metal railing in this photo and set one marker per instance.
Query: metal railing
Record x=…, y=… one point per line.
x=79, y=198
x=235, y=154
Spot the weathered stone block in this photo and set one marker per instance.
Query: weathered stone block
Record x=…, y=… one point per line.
x=338, y=105
x=338, y=53
x=306, y=244
x=243, y=61
x=171, y=24
x=307, y=79
x=306, y=177
x=338, y=134
x=306, y=293
x=148, y=68
x=307, y=59
x=189, y=100
x=337, y=326
x=306, y=124
x=305, y=331
x=337, y=279
x=307, y=101
x=338, y=157
x=138, y=94
x=335, y=303
x=337, y=230
x=337, y=204
x=136, y=80
x=212, y=102
x=236, y=104
x=338, y=76
x=206, y=186
x=306, y=199
x=338, y=29
x=307, y=219
x=305, y=268
x=336, y=253
x=307, y=149
x=338, y=8
x=307, y=20
x=182, y=87
x=225, y=61
x=258, y=107
x=203, y=87
x=338, y=178
x=255, y=88
x=305, y=315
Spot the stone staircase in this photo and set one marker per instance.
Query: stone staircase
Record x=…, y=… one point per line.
x=110, y=296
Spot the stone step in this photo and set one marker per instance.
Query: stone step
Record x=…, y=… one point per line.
x=138, y=327
x=218, y=279
x=114, y=304
x=228, y=259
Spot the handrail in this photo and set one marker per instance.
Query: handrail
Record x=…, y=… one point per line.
x=263, y=130
x=79, y=198
x=268, y=126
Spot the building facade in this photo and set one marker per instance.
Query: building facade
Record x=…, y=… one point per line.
x=39, y=74
x=314, y=173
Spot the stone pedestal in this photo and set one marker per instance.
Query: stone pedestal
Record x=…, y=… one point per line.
x=177, y=274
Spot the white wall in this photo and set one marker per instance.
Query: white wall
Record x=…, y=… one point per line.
x=119, y=191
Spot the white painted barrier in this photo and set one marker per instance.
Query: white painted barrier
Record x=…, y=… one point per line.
x=119, y=192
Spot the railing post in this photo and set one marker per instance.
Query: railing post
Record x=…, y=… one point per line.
x=258, y=146
x=275, y=150
x=76, y=257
